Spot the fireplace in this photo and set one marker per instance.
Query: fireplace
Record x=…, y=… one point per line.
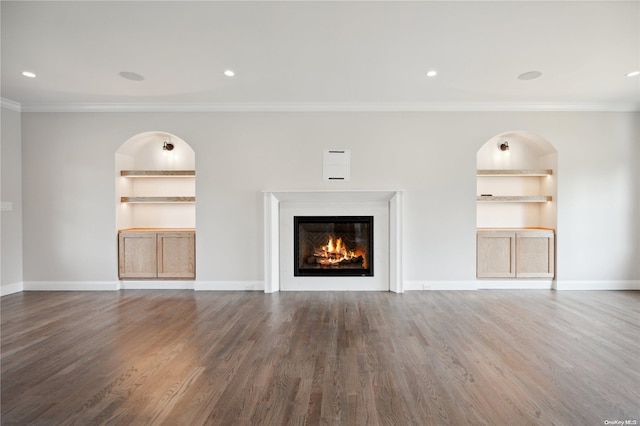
x=329, y=246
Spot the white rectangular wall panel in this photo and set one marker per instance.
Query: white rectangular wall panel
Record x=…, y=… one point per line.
x=336, y=165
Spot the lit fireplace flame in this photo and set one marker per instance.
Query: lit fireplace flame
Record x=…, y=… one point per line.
x=335, y=252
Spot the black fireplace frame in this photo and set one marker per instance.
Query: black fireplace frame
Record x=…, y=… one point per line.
x=331, y=271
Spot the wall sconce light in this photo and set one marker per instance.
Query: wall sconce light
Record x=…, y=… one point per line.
x=504, y=146
x=168, y=146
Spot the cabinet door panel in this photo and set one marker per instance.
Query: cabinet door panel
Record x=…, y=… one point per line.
x=535, y=255
x=176, y=255
x=495, y=254
x=137, y=255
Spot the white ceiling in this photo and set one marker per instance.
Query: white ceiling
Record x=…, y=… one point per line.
x=331, y=55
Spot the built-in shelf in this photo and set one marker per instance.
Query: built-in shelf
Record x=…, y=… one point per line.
x=516, y=172
x=514, y=198
x=158, y=173
x=158, y=199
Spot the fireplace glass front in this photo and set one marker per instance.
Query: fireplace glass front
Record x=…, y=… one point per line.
x=333, y=246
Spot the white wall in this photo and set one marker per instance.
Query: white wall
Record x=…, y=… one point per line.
x=68, y=168
x=598, y=192
x=11, y=227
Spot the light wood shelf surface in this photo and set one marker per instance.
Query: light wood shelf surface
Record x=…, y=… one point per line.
x=515, y=172
x=158, y=173
x=527, y=229
x=158, y=199
x=155, y=230
x=514, y=198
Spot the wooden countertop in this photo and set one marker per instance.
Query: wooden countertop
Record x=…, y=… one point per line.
x=517, y=229
x=157, y=230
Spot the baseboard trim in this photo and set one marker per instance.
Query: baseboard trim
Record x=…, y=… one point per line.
x=515, y=284
x=451, y=285
x=598, y=285
x=12, y=288
x=71, y=286
x=259, y=285
x=413, y=285
x=229, y=286
x=156, y=285
x=440, y=285
x=133, y=285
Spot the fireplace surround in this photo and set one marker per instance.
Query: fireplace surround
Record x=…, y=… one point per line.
x=280, y=207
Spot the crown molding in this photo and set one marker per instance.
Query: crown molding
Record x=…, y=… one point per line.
x=354, y=1
x=326, y=107
x=9, y=104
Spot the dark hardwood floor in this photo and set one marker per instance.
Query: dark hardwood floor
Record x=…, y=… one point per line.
x=248, y=358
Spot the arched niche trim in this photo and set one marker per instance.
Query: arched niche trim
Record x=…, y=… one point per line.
x=527, y=151
x=144, y=151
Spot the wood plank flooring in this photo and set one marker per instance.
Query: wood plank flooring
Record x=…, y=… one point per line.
x=348, y=358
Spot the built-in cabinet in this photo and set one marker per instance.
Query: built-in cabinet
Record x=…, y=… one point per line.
x=156, y=253
x=155, y=208
x=516, y=208
x=515, y=253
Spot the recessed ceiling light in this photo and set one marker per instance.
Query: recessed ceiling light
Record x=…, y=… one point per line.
x=29, y=74
x=229, y=73
x=530, y=75
x=432, y=73
x=633, y=73
x=131, y=76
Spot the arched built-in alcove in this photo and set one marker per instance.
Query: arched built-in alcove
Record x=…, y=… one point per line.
x=155, y=210
x=144, y=207
x=516, y=211
x=526, y=154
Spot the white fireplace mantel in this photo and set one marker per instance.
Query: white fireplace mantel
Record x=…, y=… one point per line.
x=273, y=199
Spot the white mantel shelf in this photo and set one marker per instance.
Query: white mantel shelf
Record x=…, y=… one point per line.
x=272, y=200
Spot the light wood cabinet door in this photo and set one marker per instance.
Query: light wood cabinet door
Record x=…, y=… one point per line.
x=496, y=254
x=515, y=254
x=145, y=254
x=137, y=255
x=535, y=253
x=176, y=255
